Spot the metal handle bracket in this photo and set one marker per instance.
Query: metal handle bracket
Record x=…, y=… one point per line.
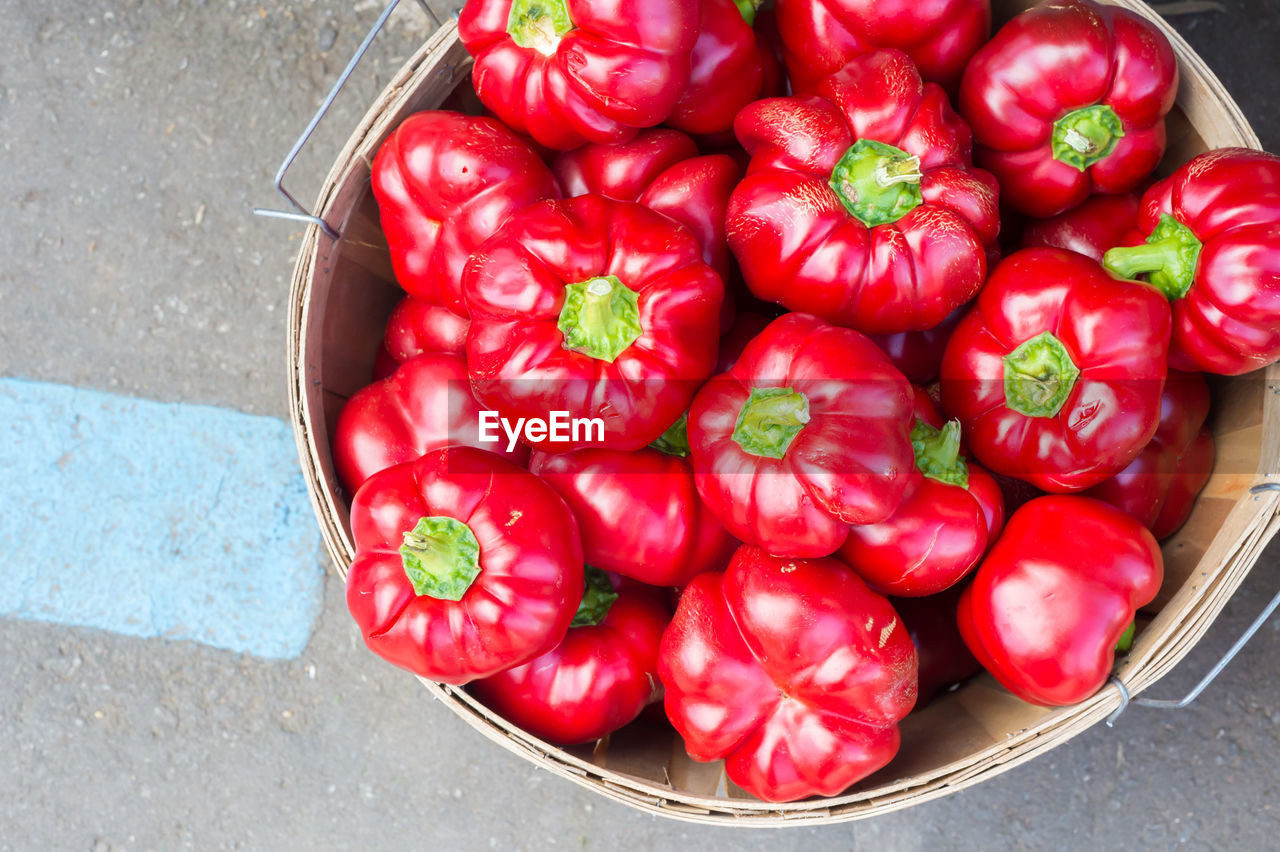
x=300, y=213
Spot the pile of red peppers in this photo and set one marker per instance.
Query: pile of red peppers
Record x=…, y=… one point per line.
x=886, y=346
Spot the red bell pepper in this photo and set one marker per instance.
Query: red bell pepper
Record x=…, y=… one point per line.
x=859, y=205
x=444, y=182
x=573, y=71
x=918, y=354
x=639, y=512
x=595, y=681
x=600, y=308
x=792, y=670
x=660, y=169
x=726, y=68
x=465, y=565
x=821, y=36
x=1056, y=373
x=944, y=658
x=1100, y=223
x=426, y=404
x=416, y=327
x=1213, y=248
x=809, y=432
x=1056, y=595
x=1069, y=99
x=1159, y=487
x=952, y=512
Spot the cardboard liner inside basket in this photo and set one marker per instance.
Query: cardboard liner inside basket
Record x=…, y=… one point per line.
x=343, y=292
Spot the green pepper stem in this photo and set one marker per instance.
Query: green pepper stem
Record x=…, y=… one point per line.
x=1126, y=638
x=539, y=24
x=597, y=598
x=1038, y=376
x=675, y=441
x=600, y=317
x=748, y=10
x=441, y=558
x=1082, y=137
x=938, y=452
x=1168, y=258
x=769, y=421
x=877, y=183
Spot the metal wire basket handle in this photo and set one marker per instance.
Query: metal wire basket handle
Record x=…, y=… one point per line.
x=300, y=213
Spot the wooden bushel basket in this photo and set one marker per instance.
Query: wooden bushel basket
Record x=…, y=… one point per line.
x=343, y=291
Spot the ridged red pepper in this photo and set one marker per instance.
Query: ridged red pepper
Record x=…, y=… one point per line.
x=444, y=182
x=791, y=670
x=465, y=565
x=573, y=71
x=726, y=68
x=662, y=170
x=1213, y=248
x=1159, y=487
x=595, y=681
x=603, y=309
x=426, y=404
x=416, y=327
x=1102, y=222
x=1056, y=373
x=1056, y=595
x=821, y=36
x=639, y=512
x=807, y=433
x=860, y=205
x=1069, y=99
x=953, y=511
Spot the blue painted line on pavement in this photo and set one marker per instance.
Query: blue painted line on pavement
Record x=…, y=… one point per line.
x=157, y=520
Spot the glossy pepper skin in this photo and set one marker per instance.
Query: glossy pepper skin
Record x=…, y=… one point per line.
x=859, y=204
x=595, y=681
x=639, y=513
x=1159, y=487
x=1067, y=100
x=1102, y=222
x=600, y=308
x=791, y=670
x=1212, y=246
x=424, y=405
x=444, y=182
x=1056, y=373
x=572, y=71
x=952, y=512
x=465, y=565
x=662, y=170
x=415, y=328
x=1049, y=604
x=726, y=69
x=806, y=434
x=821, y=36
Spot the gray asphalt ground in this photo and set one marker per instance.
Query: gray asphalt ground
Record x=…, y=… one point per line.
x=135, y=137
